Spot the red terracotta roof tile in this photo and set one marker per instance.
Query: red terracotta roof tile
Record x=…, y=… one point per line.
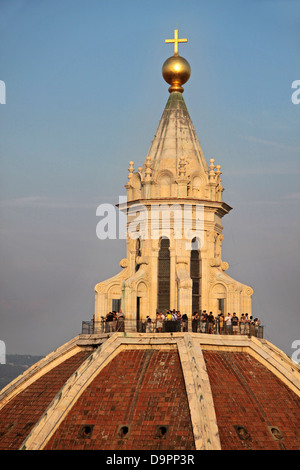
x=20, y=414
x=137, y=402
x=250, y=402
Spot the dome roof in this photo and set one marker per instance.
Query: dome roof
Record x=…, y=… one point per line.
x=183, y=391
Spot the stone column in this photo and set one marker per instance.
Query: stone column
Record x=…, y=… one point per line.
x=185, y=286
x=153, y=276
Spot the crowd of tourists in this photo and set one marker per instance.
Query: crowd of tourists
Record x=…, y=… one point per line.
x=204, y=323
x=173, y=321
x=220, y=324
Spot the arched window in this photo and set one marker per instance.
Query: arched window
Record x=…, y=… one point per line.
x=163, y=297
x=195, y=273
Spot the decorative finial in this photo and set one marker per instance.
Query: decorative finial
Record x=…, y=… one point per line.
x=148, y=169
x=219, y=188
x=212, y=174
x=175, y=41
x=176, y=70
x=130, y=169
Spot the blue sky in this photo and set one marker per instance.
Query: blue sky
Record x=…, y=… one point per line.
x=84, y=96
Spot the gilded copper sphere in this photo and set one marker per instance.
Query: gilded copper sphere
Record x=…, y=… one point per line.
x=176, y=71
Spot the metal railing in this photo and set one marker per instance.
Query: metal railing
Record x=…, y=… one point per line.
x=171, y=326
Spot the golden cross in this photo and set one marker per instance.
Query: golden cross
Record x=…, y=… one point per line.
x=176, y=41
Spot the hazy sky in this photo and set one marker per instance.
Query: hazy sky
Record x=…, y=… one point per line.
x=84, y=96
